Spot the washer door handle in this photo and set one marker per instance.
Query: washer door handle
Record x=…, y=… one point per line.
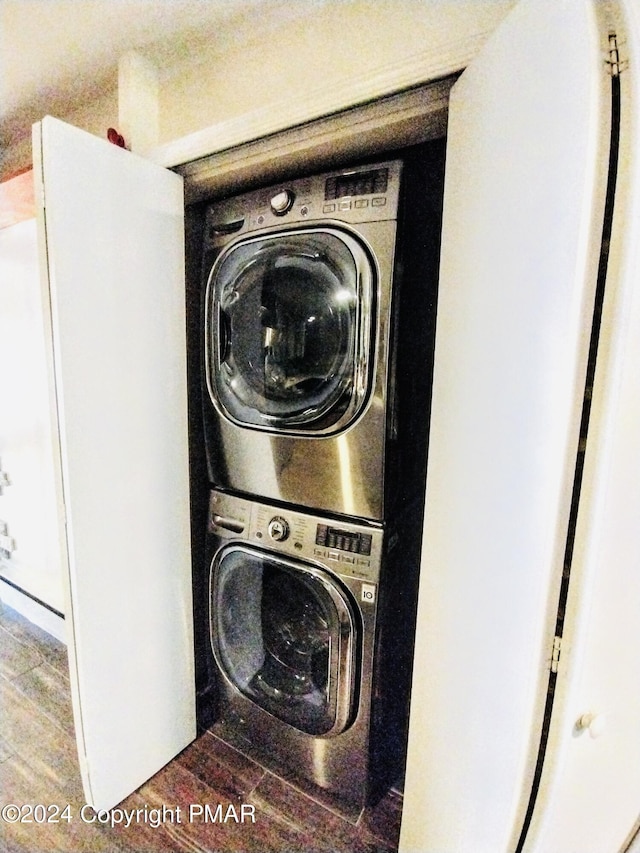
x=224, y=334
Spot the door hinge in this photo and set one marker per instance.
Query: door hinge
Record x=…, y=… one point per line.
x=555, y=653
x=615, y=65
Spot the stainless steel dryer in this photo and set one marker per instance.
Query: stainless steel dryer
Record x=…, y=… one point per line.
x=301, y=344
x=311, y=642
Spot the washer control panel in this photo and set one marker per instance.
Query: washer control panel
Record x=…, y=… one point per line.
x=347, y=548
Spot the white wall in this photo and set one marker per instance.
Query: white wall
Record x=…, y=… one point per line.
x=280, y=60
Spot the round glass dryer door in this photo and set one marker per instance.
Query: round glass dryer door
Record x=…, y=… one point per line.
x=289, y=319
x=283, y=633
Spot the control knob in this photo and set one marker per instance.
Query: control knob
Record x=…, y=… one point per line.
x=278, y=529
x=282, y=202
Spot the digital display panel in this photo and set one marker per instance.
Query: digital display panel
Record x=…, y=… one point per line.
x=343, y=540
x=355, y=184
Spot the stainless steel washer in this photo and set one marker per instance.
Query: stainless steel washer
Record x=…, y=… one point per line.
x=308, y=643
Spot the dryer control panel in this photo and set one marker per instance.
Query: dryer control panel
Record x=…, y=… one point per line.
x=345, y=547
x=355, y=195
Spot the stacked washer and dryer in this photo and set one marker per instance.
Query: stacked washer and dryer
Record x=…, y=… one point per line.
x=319, y=321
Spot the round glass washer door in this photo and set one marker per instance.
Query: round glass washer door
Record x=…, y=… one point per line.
x=288, y=330
x=284, y=635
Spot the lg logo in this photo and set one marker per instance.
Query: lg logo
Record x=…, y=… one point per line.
x=368, y=593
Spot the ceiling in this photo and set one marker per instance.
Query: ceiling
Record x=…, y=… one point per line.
x=55, y=52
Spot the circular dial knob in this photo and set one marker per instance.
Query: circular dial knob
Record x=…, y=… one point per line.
x=278, y=529
x=282, y=202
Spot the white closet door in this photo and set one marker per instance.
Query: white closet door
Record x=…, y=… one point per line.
x=524, y=195
x=114, y=246
x=589, y=794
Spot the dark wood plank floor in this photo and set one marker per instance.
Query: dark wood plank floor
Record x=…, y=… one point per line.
x=38, y=765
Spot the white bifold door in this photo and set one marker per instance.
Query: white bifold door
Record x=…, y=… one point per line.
x=112, y=234
x=525, y=706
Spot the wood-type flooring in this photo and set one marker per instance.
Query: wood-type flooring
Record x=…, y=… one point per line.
x=38, y=765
